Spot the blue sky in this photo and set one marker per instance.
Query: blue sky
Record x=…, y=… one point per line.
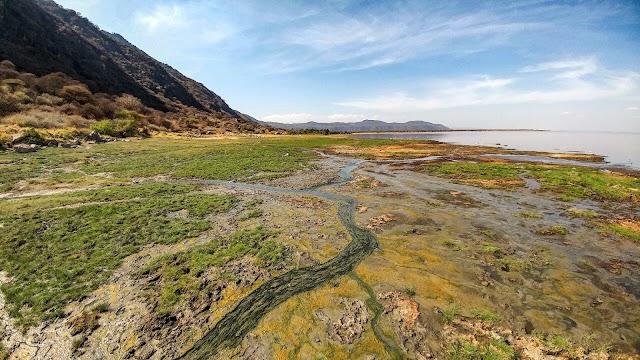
x=466, y=64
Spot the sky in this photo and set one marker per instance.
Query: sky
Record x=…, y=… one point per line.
x=558, y=65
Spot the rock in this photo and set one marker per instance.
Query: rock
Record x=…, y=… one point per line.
x=95, y=136
x=404, y=311
x=352, y=322
x=378, y=221
x=528, y=327
x=405, y=307
x=26, y=148
x=597, y=301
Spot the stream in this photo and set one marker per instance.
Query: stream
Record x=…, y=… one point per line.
x=231, y=329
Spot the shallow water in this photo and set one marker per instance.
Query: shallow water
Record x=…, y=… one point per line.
x=621, y=149
x=232, y=328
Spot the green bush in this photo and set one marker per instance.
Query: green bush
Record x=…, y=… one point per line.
x=411, y=291
x=105, y=127
x=128, y=127
x=128, y=114
x=30, y=136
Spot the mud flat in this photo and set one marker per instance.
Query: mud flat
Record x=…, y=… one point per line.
x=471, y=271
x=408, y=254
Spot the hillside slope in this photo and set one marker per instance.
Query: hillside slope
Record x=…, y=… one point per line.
x=41, y=37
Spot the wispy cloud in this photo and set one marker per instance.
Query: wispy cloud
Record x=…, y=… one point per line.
x=566, y=81
x=288, y=118
x=163, y=16
x=344, y=42
x=633, y=108
x=566, y=69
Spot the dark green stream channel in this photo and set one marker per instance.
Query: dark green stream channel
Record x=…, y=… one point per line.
x=232, y=328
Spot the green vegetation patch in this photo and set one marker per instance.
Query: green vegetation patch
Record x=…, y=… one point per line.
x=185, y=275
x=121, y=162
x=493, y=250
x=530, y=215
x=58, y=249
x=485, y=315
x=514, y=264
x=583, y=183
x=568, y=183
x=491, y=350
x=621, y=231
x=582, y=213
x=450, y=313
x=553, y=230
x=487, y=175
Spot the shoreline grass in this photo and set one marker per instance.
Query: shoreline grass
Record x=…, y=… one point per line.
x=56, y=253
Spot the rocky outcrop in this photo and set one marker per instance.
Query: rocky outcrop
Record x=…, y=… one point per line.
x=351, y=324
x=378, y=222
x=405, y=313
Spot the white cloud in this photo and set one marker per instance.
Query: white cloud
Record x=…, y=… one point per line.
x=345, y=117
x=633, y=108
x=288, y=118
x=343, y=42
x=485, y=90
x=163, y=17
x=566, y=69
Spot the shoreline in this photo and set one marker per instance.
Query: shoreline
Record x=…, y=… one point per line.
x=440, y=131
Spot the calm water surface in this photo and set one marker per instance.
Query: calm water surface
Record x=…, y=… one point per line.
x=621, y=149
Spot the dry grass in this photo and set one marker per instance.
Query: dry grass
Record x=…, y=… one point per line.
x=45, y=120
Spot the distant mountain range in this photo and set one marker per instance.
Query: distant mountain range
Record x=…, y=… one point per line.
x=41, y=37
x=362, y=126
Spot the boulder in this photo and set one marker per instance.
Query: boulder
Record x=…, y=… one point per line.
x=25, y=148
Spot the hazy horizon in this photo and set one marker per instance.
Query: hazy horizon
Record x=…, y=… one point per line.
x=532, y=64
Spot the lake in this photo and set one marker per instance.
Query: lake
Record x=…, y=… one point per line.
x=621, y=149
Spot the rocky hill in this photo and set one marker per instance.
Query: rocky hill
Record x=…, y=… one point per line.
x=362, y=126
x=40, y=37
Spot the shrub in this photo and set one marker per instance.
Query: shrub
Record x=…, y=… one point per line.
x=9, y=104
x=8, y=73
x=90, y=111
x=79, y=122
x=53, y=82
x=30, y=136
x=39, y=119
x=101, y=307
x=29, y=79
x=78, y=93
x=105, y=127
x=128, y=127
x=128, y=114
x=49, y=100
x=106, y=105
x=22, y=97
x=6, y=64
x=14, y=84
x=130, y=102
x=411, y=291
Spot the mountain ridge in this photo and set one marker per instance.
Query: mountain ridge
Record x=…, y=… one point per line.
x=361, y=126
x=41, y=37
